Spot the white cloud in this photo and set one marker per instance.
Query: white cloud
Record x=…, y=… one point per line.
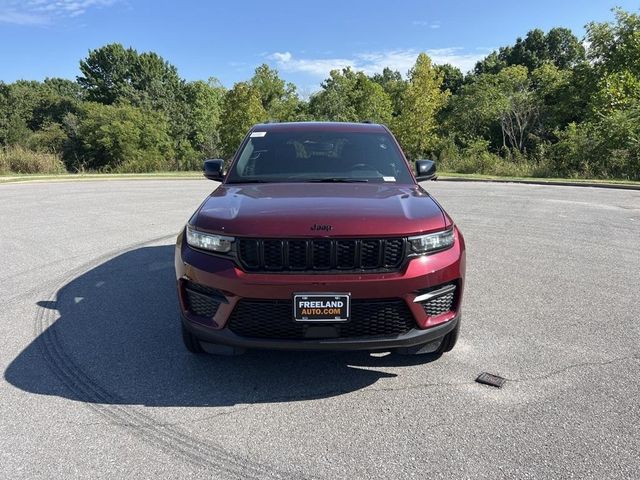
x=42, y=12
x=424, y=23
x=372, y=62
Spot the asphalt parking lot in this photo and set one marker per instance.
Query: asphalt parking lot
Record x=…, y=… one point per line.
x=96, y=382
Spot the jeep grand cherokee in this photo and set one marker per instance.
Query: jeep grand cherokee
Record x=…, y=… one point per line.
x=319, y=237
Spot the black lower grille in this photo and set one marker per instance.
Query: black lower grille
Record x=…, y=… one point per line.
x=441, y=302
x=274, y=319
x=201, y=300
x=278, y=255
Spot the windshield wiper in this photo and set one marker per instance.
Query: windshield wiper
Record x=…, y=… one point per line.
x=249, y=181
x=338, y=180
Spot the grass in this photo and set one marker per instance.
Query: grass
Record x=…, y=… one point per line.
x=478, y=176
x=22, y=160
x=66, y=177
x=70, y=177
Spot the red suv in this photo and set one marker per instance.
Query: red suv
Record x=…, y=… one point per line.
x=319, y=237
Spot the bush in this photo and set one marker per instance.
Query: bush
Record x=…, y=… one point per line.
x=608, y=147
x=50, y=139
x=476, y=158
x=17, y=159
x=122, y=138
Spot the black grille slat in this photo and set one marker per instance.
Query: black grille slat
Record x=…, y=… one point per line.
x=442, y=303
x=370, y=254
x=321, y=254
x=346, y=254
x=273, y=255
x=201, y=300
x=249, y=251
x=393, y=251
x=274, y=319
x=439, y=305
x=297, y=254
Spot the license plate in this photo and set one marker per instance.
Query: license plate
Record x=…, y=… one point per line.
x=324, y=307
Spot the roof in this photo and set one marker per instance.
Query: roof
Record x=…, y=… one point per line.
x=319, y=126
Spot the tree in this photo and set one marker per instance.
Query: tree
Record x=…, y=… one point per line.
x=615, y=53
x=279, y=98
x=107, y=73
x=564, y=49
x=205, y=110
x=499, y=106
x=492, y=64
x=123, y=138
x=416, y=125
x=452, y=78
x=615, y=47
x=559, y=46
x=394, y=85
x=349, y=96
x=241, y=109
x=518, y=109
x=113, y=74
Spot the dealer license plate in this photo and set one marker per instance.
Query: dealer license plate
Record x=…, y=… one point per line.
x=324, y=307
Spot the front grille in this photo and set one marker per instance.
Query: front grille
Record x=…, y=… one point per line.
x=201, y=300
x=274, y=319
x=441, y=302
x=276, y=255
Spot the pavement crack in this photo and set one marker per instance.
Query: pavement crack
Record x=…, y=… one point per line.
x=633, y=356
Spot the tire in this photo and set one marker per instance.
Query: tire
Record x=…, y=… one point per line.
x=190, y=341
x=450, y=340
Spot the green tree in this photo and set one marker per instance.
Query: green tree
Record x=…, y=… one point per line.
x=107, y=73
x=559, y=46
x=114, y=74
x=122, y=137
x=615, y=46
x=204, y=117
x=349, y=96
x=615, y=53
x=241, y=109
x=279, y=98
x=29, y=106
x=452, y=78
x=416, y=126
x=501, y=107
x=394, y=85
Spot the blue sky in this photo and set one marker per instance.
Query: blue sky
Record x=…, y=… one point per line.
x=304, y=40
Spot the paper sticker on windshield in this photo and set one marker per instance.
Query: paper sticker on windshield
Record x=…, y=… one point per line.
x=257, y=134
x=389, y=179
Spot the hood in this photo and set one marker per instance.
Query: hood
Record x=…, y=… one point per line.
x=288, y=210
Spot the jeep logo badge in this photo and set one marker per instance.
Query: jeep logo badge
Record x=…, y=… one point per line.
x=316, y=227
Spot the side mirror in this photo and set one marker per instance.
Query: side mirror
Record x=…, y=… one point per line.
x=425, y=170
x=213, y=169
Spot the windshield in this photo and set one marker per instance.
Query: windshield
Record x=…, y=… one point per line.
x=319, y=156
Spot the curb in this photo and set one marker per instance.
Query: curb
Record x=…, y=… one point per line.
x=561, y=183
x=91, y=178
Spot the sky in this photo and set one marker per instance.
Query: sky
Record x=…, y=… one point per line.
x=303, y=40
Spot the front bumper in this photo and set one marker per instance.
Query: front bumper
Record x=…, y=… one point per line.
x=410, y=339
x=233, y=285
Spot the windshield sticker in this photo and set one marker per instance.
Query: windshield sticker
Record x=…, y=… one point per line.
x=257, y=134
x=389, y=179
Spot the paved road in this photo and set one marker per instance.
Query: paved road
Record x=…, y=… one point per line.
x=97, y=384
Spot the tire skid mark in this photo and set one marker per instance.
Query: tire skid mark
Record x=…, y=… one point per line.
x=173, y=439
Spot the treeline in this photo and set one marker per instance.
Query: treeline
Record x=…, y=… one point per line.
x=544, y=106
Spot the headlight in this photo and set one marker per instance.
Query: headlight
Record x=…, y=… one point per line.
x=431, y=242
x=207, y=241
